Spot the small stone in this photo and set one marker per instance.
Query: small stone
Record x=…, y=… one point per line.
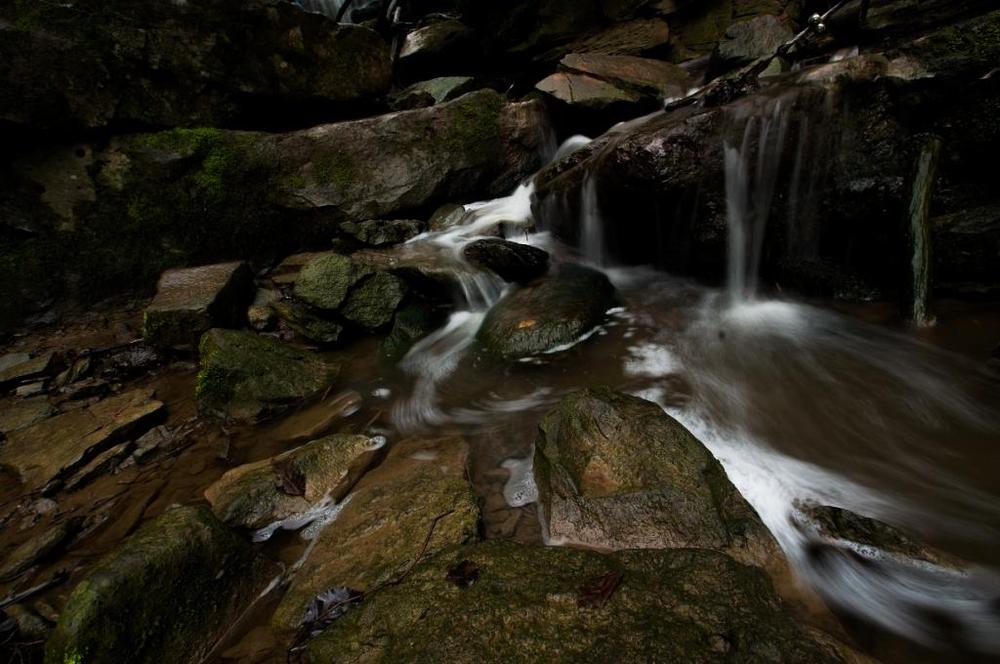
x=20, y=414
x=190, y=301
x=411, y=323
x=447, y=216
x=38, y=548
x=30, y=390
x=260, y=315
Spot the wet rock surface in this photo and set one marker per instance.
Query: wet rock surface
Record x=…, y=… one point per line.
x=416, y=503
x=261, y=493
x=509, y=260
x=542, y=316
x=172, y=589
x=616, y=472
x=526, y=599
x=244, y=376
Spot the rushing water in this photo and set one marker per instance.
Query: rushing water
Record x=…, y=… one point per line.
x=797, y=402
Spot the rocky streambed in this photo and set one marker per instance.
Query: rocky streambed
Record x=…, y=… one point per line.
x=338, y=342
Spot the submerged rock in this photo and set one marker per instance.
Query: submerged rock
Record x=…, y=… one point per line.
x=838, y=526
x=244, y=376
x=257, y=494
x=191, y=301
x=616, y=472
x=671, y=606
x=52, y=449
x=416, y=503
x=552, y=312
x=411, y=323
x=509, y=260
x=169, y=592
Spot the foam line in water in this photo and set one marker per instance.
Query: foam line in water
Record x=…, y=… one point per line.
x=520, y=488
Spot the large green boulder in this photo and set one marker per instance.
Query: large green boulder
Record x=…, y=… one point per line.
x=244, y=376
x=257, y=494
x=502, y=601
x=168, y=593
x=355, y=289
x=551, y=312
x=616, y=472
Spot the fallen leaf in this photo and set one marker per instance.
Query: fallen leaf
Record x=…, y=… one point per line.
x=596, y=592
x=291, y=479
x=525, y=324
x=464, y=574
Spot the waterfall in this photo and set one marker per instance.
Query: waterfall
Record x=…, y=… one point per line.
x=326, y=7
x=750, y=189
x=591, y=224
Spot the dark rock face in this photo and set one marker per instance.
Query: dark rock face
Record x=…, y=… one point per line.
x=169, y=592
x=101, y=62
x=672, y=606
x=546, y=314
x=616, y=472
x=510, y=261
x=381, y=232
x=191, y=301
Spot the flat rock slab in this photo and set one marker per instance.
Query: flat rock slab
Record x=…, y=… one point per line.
x=643, y=75
x=23, y=413
x=191, y=301
x=20, y=367
x=586, y=91
x=168, y=593
x=529, y=603
x=258, y=494
x=244, y=376
x=616, y=472
x=417, y=502
x=55, y=447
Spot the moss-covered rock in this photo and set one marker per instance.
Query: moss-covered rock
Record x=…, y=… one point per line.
x=412, y=322
x=169, y=592
x=255, y=495
x=102, y=62
x=672, y=606
x=374, y=300
x=325, y=281
x=381, y=232
x=191, y=301
x=615, y=471
x=417, y=502
x=549, y=313
x=244, y=376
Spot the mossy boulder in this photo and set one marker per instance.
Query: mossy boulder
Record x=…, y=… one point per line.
x=191, y=301
x=169, y=592
x=257, y=494
x=414, y=504
x=382, y=232
x=325, y=281
x=554, y=311
x=244, y=376
x=616, y=472
x=374, y=300
x=104, y=62
x=412, y=322
x=525, y=605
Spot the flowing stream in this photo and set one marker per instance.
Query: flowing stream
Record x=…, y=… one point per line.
x=798, y=402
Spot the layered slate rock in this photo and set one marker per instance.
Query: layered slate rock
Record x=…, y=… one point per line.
x=169, y=592
x=412, y=322
x=547, y=314
x=191, y=301
x=179, y=64
x=434, y=91
x=244, y=376
x=416, y=503
x=616, y=472
x=23, y=413
x=257, y=494
x=52, y=449
x=526, y=602
x=509, y=260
